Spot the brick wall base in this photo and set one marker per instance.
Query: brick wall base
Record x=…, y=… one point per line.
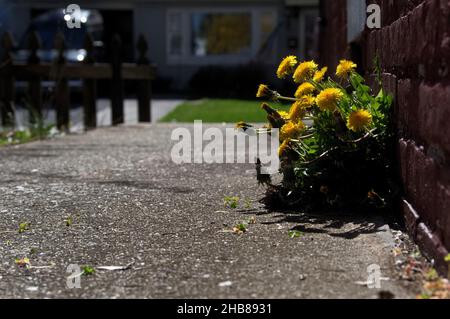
x=413, y=46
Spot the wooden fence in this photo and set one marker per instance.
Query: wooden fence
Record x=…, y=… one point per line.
x=33, y=71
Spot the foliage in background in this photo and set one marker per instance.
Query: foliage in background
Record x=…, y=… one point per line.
x=336, y=140
x=37, y=130
x=11, y=137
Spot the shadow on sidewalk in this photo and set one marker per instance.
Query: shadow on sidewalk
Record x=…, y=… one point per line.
x=342, y=225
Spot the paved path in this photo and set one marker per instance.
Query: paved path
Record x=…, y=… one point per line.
x=130, y=203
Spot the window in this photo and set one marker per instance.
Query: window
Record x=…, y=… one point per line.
x=221, y=33
x=227, y=35
x=267, y=26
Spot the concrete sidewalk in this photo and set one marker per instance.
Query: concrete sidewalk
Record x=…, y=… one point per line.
x=130, y=204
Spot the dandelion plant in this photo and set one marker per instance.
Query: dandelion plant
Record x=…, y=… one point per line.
x=337, y=136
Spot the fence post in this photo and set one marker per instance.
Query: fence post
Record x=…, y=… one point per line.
x=144, y=86
x=117, y=82
x=89, y=88
x=34, y=84
x=7, y=88
x=62, y=93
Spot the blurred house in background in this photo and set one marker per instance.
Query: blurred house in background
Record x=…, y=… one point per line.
x=193, y=41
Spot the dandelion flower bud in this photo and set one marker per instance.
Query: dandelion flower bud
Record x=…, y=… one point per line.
x=263, y=91
x=286, y=66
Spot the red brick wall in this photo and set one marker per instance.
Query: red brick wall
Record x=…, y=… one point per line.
x=414, y=49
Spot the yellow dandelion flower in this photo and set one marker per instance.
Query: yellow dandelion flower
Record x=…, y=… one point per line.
x=286, y=66
x=305, y=71
x=284, y=114
x=308, y=100
x=358, y=120
x=318, y=77
x=328, y=99
x=344, y=68
x=263, y=91
x=304, y=89
x=291, y=130
x=283, y=147
x=297, y=110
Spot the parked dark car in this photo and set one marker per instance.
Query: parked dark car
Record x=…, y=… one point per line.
x=48, y=24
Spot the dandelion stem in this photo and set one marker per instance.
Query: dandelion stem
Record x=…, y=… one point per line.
x=366, y=136
x=285, y=98
x=305, y=137
x=320, y=156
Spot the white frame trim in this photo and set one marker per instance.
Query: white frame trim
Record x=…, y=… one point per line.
x=301, y=21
